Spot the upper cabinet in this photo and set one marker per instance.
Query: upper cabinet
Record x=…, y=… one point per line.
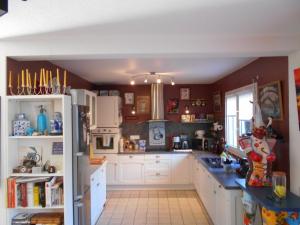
x=88, y=98
x=109, y=113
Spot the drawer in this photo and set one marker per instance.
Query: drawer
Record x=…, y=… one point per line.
x=158, y=156
x=157, y=173
x=158, y=164
x=133, y=158
x=157, y=179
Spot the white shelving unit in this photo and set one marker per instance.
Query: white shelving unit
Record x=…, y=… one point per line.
x=29, y=105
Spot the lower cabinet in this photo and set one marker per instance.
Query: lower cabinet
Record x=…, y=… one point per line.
x=223, y=206
x=181, y=169
x=112, y=169
x=98, y=193
x=158, y=171
x=131, y=169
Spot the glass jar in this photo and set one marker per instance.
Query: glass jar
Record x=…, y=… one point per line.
x=279, y=184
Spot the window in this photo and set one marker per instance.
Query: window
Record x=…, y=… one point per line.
x=238, y=115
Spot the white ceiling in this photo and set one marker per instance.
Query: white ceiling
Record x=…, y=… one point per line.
x=155, y=17
x=184, y=70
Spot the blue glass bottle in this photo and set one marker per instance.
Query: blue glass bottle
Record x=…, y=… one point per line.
x=42, y=121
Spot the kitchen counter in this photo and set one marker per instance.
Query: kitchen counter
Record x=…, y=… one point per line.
x=262, y=196
x=153, y=151
x=227, y=180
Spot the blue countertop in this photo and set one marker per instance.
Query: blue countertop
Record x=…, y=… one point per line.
x=227, y=180
x=262, y=196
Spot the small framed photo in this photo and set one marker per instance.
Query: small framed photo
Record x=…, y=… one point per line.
x=217, y=101
x=129, y=98
x=184, y=94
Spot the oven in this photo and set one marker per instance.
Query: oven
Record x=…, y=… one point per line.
x=106, y=140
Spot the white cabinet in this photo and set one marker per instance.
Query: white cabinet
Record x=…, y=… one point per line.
x=88, y=98
x=131, y=169
x=158, y=169
x=109, y=111
x=181, y=169
x=112, y=169
x=98, y=193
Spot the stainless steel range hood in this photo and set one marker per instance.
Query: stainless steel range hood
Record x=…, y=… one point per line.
x=157, y=103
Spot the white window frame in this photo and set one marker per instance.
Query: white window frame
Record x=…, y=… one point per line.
x=236, y=92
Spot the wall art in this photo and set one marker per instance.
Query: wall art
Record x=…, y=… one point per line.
x=270, y=100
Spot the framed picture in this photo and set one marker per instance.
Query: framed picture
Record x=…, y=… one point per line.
x=129, y=98
x=173, y=106
x=270, y=100
x=184, y=94
x=297, y=83
x=143, y=104
x=157, y=133
x=217, y=102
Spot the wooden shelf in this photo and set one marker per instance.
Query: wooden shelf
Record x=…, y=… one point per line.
x=36, y=175
x=40, y=207
x=37, y=137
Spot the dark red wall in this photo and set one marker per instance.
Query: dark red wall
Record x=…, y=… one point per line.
x=196, y=91
x=34, y=66
x=268, y=69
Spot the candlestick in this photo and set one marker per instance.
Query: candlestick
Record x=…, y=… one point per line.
x=27, y=78
x=51, y=86
x=65, y=78
x=57, y=77
x=22, y=78
x=9, y=82
x=44, y=78
x=41, y=77
x=18, y=87
x=34, y=84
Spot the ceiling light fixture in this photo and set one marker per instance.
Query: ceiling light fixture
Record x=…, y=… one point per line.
x=152, y=77
x=187, y=110
x=133, y=110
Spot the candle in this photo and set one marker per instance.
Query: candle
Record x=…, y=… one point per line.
x=44, y=77
x=47, y=77
x=34, y=84
x=22, y=78
x=9, y=83
x=18, y=81
x=41, y=77
x=29, y=78
x=50, y=78
x=65, y=79
x=57, y=77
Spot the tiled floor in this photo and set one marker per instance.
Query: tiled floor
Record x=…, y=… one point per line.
x=153, y=208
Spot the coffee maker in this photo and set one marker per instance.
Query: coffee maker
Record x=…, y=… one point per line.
x=184, y=139
x=176, y=143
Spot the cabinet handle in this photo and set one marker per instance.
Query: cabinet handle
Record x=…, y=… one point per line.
x=157, y=156
x=93, y=179
x=157, y=174
x=220, y=186
x=157, y=161
x=215, y=192
x=98, y=184
x=131, y=156
x=116, y=164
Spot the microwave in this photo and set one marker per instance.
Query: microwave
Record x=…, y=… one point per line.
x=106, y=140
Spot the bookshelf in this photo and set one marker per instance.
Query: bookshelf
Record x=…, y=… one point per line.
x=62, y=162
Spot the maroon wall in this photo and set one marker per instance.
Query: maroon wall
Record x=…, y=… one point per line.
x=196, y=91
x=34, y=66
x=268, y=69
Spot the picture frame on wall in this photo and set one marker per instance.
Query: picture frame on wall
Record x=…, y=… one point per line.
x=173, y=106
x=129, y=98
x=143, y=105
x=297, y=83
x=217, y=101
x=270, y=100
x=184, y=94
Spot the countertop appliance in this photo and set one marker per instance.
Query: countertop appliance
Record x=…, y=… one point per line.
x=81, y=141
x=106, y=140
x=176, y=142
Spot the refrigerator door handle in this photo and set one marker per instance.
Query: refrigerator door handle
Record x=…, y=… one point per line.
x=78, y=154
x=80, y=205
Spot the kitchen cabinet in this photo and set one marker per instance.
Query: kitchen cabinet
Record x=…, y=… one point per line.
x=109, y=111
x=223, y=206
x=112, y=169
x=157, y=169
x=98, y=193
x=181, y=169
x=88, y=98
x=131, y=169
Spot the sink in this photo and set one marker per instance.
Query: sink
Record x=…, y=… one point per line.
x=213, y=163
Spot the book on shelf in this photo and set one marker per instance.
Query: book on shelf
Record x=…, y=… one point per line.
x=34, y=192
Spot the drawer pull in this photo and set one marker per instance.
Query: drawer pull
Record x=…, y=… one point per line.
x=157, y=161
x=157, y=174
x=131, y=156
x=98, y=184
x=157, y=156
